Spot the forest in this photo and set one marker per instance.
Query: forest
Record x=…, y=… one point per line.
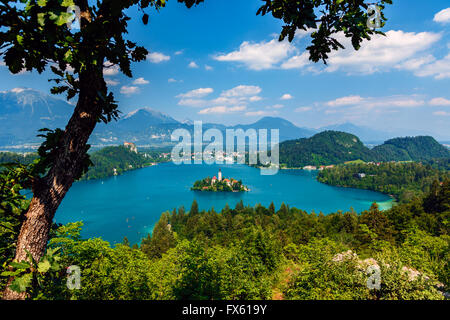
x=403, y=180
x=334, y=147
x=245, y=253
x=12, y=157
x=120, y=158
x=104, y=160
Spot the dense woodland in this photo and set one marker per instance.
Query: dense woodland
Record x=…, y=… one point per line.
x=334, y=147
x=104, y=161
x=410, y=149
x=120, y=158
x=251, y=252
x=254, y=253
x=12, y=157
x=404, y=180
x=325, y=148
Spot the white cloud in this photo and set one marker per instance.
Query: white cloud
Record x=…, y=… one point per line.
x=18, y=90
x=111, y=82
x=196, y=103
x=439, y=69
x=442, y=16
x=297, y=62
x=276, y=106
x=232, y=100
x=172, y=80
x=197, y=93
x=286, y=96
x=180, y=52
x=208, y=68
x=374, y=102
x=260, y=113
x=241, y=91
x=255, y=99
x=157, y=57
x=397, y=50
x=129, y=90
x=303, y=109
x=382, y=53
x=141, y=81
x=345, y=101
x=416, y=63
x=193, y=65
x=439, y=102
x=222, y=110
x=259, y=56
x=442, y=113
x=110, y=69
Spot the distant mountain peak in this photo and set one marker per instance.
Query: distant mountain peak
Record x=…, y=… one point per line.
x=141, y=110
x=24, y=111
x=150, y=113
x=188, y=122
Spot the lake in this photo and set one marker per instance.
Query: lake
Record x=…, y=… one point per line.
x=130, y=205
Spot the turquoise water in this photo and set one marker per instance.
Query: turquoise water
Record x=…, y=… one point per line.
x=130, y=205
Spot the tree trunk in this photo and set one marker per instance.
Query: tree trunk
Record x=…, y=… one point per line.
x=49, y=191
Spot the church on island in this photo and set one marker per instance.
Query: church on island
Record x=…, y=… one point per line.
x=215, y=179
x=219, y=183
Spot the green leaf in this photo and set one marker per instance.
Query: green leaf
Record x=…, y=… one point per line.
x=68, y=56
x=43, y=266
x=20, y=284
x=63, y=18
x=41, y=19
x=67, y=3
x=20, y=265
x=9, y=273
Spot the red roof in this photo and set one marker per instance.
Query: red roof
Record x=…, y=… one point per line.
x=214, y=178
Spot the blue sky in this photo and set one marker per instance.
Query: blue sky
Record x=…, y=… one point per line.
x=219, y=62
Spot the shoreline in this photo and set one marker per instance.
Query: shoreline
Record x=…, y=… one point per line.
x=125, y=171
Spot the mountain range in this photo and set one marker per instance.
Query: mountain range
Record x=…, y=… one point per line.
x=24, y=111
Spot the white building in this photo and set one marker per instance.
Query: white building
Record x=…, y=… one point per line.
x=131, y=146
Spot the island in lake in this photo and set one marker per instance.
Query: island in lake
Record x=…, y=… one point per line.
x=219, y=184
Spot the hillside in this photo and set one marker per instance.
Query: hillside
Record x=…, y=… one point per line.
x=12, y=157
x=364, y=133
x=119, y=158
x=325, y=148
x=104, y=160
x=404, y=180
x=410, y=149
x=334, y=147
